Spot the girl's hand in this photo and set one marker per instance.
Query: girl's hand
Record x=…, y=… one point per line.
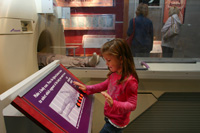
x=108, y=98
x=81, y=86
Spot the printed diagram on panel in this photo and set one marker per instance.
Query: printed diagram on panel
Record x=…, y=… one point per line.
x=68, y=103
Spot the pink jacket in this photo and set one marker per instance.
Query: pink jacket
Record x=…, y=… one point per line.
x=124, y=98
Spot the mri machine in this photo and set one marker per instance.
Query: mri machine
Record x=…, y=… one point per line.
x=28, y=26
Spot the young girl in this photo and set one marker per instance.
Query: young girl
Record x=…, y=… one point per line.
x=121, y=86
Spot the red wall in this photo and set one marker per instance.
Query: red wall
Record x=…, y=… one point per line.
x=75, y=36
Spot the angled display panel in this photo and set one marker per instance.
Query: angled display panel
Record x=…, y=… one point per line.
x=56, y=104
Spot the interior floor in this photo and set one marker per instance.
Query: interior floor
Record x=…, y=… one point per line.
x=173, y=113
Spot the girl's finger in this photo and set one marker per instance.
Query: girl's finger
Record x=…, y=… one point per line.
x=103, y=93
x=80, y=86
x=77, y=83
x=106, y=95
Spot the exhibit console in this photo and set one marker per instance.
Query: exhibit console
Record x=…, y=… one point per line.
x=51, y=100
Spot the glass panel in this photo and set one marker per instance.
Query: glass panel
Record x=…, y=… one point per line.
x=185, y=43
x=91, y=23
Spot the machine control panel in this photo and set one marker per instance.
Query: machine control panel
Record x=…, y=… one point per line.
x=26, y=26
x=15, y=26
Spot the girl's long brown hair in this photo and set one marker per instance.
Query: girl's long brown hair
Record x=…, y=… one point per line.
x=119, y=48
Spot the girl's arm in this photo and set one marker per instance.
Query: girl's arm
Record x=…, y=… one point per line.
x=91, y=89
x=130, y=104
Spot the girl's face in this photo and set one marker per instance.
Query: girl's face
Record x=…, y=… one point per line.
x=113, y=63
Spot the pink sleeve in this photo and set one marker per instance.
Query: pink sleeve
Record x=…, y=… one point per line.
x=131, y=94
x=91, y=89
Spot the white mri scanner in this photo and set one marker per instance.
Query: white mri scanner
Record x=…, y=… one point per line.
x=26, y=26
